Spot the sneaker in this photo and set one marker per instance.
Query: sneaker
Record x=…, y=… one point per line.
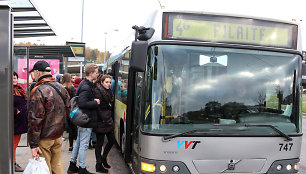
x=72, y=168
x=18, y=168
x=70, y=149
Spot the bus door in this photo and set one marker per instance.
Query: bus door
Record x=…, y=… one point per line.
x=115, y=86
x=135, y=88
x=136, y=117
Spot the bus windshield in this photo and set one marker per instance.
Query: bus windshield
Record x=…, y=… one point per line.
x=196, y=87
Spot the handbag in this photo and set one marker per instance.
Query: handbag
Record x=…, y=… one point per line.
x=37, y=166
x=77, y=116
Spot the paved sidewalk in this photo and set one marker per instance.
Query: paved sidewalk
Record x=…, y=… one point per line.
x=23, y=154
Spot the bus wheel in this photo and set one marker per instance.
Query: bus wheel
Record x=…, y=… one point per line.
x=123, y=139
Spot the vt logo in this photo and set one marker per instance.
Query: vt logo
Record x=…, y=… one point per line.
x=187, y=144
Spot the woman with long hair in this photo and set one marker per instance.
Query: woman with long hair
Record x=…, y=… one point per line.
x=72, y=129
x=105, y=124
x=20, y=116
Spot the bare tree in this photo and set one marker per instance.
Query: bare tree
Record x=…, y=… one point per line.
x=261, y=98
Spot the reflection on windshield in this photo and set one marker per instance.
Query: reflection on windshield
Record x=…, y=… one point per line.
x=198, y=86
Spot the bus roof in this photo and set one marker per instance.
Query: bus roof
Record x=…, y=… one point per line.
x=116, y=56
x=235, y=29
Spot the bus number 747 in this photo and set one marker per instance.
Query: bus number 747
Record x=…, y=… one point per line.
x=285, y=147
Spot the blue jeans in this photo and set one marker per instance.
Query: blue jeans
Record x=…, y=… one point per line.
x=81, y=146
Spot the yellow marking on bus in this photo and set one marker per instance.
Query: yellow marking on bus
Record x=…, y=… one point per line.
x=147, y=111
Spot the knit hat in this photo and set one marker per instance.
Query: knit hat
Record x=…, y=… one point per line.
x=78, y=80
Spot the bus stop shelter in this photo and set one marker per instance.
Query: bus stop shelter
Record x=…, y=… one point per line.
x=18, y=18
x=25, y=57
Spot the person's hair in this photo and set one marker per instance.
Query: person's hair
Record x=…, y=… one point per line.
x=110, y=73
x=15, y=74
x=90, y=68
x=66, y=81
x=42, y=73
x=124, y=85
x=101, y=78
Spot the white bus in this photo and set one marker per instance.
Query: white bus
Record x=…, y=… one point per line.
x=210, y=93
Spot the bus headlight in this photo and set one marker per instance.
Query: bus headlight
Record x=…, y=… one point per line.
x=289, y=167
x=176, y=168
x=284, y=166
x=162, y=168
x=279, y=167
x=297, y=166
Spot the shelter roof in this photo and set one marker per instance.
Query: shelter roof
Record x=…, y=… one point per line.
x=65, y=51
x=28, y=20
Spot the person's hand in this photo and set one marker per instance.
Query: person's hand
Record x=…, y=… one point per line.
x=35, y=152
x=97, y=100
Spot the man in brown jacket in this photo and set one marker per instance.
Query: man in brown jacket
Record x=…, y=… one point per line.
x=49, y=104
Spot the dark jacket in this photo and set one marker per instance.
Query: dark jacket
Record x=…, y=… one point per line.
x=47, y=111
x=20, y=119
x=87, y=103
x=72, y=93
x=71, y=128
x=105, y=120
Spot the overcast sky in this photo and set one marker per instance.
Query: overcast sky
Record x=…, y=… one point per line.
x=65, y=16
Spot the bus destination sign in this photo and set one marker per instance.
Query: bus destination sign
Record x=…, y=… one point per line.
x=212, y=28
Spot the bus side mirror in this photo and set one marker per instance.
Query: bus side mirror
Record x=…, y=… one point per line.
x=146, y=34
x=304, y=75
x=139, y=55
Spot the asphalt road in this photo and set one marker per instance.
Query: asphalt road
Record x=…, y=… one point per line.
x=114, y=157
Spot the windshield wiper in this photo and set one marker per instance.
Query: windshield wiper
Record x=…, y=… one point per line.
x=165, y=138
x=260, y=125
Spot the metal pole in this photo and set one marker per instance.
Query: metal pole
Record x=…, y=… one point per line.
x=28, y=74
x=160, y=4
x=81, y=64
x=66, y=63
x=82, y=20
x=104, y=51
x=105, y=48
x=28, y=85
